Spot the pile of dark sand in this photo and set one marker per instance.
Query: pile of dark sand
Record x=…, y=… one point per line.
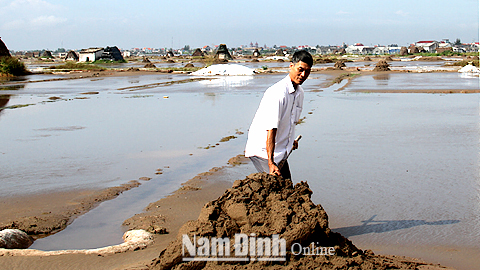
x=150, y=65
x=264, y=205
x=403, y=51
x=339, y=65
x=382, y=65
x=431, y=58
x=3, y=49
x=414, y=50
x=47, y=54
x=323, y=60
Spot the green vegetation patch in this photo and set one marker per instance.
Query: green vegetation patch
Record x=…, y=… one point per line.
x=12, y=66
x=228, y=138
x=78, y=66
x=109, y=62
x=466, y=62
x=343, y=76
x=184, y=69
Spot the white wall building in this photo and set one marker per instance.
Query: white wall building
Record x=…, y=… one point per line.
x=90, y=55
x=359, y=49
x=429, y=46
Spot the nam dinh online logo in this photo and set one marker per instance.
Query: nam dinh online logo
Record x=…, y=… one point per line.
x=245, y=248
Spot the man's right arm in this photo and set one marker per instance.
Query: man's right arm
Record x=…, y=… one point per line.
x=273, y=167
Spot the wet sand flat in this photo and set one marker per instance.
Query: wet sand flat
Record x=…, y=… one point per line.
x=356, y=146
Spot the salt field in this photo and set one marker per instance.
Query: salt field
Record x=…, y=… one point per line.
x=392, y=170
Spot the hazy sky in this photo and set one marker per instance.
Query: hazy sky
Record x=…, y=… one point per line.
x=51, y=24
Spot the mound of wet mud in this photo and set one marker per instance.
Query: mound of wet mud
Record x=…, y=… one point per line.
x=263, y=207
x=382, y=65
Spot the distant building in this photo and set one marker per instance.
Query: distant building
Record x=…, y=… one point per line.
x=359, y=48
x=46, y=54
x=326, y=49
x=126, y=54
x=112, y=54
x=90, y=54
x=279, y=52
x=223, y=53
x=94, y=54
x=428, y=45
x=198, y=52
x=71, y=56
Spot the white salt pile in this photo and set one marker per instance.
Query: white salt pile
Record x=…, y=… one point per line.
x=224, y=69
x=469, y=69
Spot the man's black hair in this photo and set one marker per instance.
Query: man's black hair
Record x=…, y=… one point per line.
x=303, y=56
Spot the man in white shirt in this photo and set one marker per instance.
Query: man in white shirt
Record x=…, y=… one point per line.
x=271, y=135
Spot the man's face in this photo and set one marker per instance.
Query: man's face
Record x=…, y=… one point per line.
x=299, y=72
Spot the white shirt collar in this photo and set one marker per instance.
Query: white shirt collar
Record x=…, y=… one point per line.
x=291, y=89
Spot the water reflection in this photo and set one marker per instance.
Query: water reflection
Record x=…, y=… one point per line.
x=227, y=81
x=4, y=99
x=381, y=79
x=11, y=87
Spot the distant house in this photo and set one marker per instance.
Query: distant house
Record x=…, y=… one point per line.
x=359, y=49
x=71, y=56
x=279, y=52
x=198, y=52
x=169, y=54
x=326, y=49
x=46, y=54
x=90, y=54
x=94, y=54
x=206, y=48
x=428, y=45
x=126, y=54
x=223, y=53
x=379, y=50
x=112, y=54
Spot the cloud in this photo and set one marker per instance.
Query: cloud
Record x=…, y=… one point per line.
x=47, y=21
x=341, y=12
x=30, y=14
x=35, y=23
x=401, y=13
x=13, y=25
x=31, y=4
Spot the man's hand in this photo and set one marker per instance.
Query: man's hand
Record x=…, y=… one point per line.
x=274, y=170
x=295, y=145
x=272, y=166
x=295, y=142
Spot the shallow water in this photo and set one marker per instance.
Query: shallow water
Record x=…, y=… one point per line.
x=393, y=169
x=401, y=168
x=414, y=81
